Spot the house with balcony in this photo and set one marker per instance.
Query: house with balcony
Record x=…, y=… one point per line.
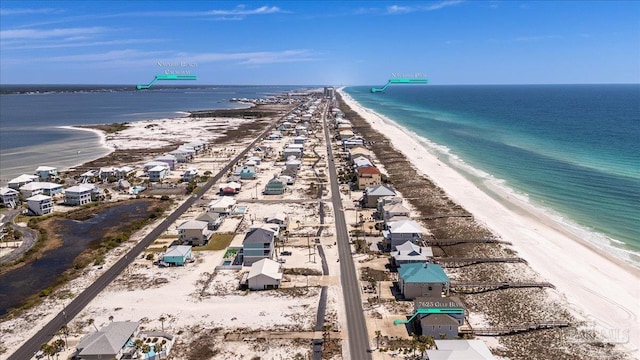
x=410, y=253
x=373, y=193
x=157, y=173
x=40, y=204
x=46, y=173
x=194, y=232
x=78, y=195
x=18, y=182
x=9, y=197
x=114, y=341
x=399, y=232
x=422, y=279
x=258, y=244
x=368, y=176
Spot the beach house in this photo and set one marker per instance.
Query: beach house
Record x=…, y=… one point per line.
x=373, y=193
x=151, y=164
x=183, y=154
x=9, y=197
x=258, y=244
x=399, y=232
x=114, y=341
x=438, y=317
x=275, y=186
x=157, y=173
x=264, y=274
x=78, y=195
x=361, y=161
x=422, y=279
x=279, y=219
x=213, y=220
x=292, y=151
x=189, y=174
x=30, y=189
x=46, y=173
x=246, y=172
x=168, y=159
x=18, y=182
x=410, y=253
x=357, y=151
x=49, y=188
x=40, y=204
x=395, y=211
x=230, y=188
x=293, y=164
x=460, y=349
x=177, y=255
x=368, y=176
x=223, y=205
x=194, y=232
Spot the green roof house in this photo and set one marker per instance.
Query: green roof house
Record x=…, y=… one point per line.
x=422, y=279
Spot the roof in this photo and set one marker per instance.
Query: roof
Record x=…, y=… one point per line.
x=208, y=217
x=80, y=188
x=379, y=190
x=224, y=201
x=178, y=250
x=362, y=161
x=460, y=350
x=47, y=185
x=156, y=163
x=8, y=191
x=439, y=319
x=368, y=170
x=411, y=251
x=166, y=157
x=23, y=178
x=31, y=186
x=258, y=236
x=279, y=216
x=109, y=340
x=266, y=267
x=38, y=197
x=45, y=168
x=422, y=273
x=158, y=168
x=395, y=208
x=405, y=227
x=193, y=225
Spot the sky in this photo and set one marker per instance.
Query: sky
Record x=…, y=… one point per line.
x=320, y=42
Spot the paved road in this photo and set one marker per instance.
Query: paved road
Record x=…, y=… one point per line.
x=29, y=237
x=45, y=334
x=356, y=326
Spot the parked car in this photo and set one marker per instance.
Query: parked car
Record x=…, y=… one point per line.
x=285, y=253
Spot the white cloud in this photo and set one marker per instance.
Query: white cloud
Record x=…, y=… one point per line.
x=73, y=42
x=48, y=33
x=537, y=38
x=27, y=11
x=396, y=9
x=253, y=58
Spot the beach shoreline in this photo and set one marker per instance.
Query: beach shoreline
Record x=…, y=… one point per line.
x=102, y=142
x=598, y=287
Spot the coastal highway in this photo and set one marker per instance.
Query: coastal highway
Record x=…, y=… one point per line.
x=356, y=325
x=31, y=346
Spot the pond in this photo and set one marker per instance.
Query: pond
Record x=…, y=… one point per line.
x=19, y=284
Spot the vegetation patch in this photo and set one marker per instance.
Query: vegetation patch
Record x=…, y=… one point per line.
x=217, y=242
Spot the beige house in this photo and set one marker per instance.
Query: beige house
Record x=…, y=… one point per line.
x=194, y=232
x=264, y=274
x=368, y=176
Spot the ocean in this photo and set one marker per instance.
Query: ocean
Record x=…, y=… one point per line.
x=32, y=116
x=573, y=151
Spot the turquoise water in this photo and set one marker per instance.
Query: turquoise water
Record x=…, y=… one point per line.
x=573, y=150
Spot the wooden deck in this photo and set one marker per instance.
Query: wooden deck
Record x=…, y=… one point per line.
x=446, y=242
x=460, y=262
x=479, y=287
x=515, y=329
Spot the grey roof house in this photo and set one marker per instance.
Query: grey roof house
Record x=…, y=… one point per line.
x=258, y=244
x=110, y=342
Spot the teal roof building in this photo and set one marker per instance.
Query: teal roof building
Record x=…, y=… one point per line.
x=422, y=279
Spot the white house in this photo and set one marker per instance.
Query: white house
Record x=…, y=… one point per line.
x=40, y=204
x=157, y=173
x=46, y=173
x=168, y=159
x=189, y=174
x=183, y=154
x=151, y=164
x=194, y=232
x=409, y=252
x=49, y=188
x=460, y=349
x=21, y=180
x=222, y=205
x=30, y=189
x=264, y=274
x=78, y=195
x=399, y=232
x=9, y=197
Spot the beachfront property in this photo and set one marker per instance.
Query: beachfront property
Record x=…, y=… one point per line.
x=357, y=151
x=40, y=204
x=368, y=176
x=275, y=186
x=114, y=341
x=112, y=174
x=292, y=152
x=395, y=211
x=78, y=195
x=151, y=164
x=22, y=180
x=194, y=232
x=88, y=176
x=293, y=164
x=264, y=274
x=157, y=173
x=258, y=244
x=30, y=189
x=189, y=174
x=399, y=232
x=49, y=188
x=9, y=197
x=352, y=142
x=422, y=279
x=361, y=161
x=168, y=159
x=438, y=317
x=410, y=253
x=197, y=145
x=224, y=205
x=460, y=350
x=46, y=173
x=177, y=255
x=386, y=201
x=373, y=193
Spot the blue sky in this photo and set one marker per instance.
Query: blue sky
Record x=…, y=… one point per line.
x=304, y=42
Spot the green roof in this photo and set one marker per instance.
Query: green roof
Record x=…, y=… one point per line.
x=422, y=273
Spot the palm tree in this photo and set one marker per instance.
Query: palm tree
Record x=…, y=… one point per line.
x=64, y=330
x=378, y=336
x=92, y=322
x=111, y=318
x=59, y=345
x=162, y=319
x=371, y=230
x=327, y=331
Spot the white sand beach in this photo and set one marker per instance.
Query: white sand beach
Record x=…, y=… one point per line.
x=600, y=289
